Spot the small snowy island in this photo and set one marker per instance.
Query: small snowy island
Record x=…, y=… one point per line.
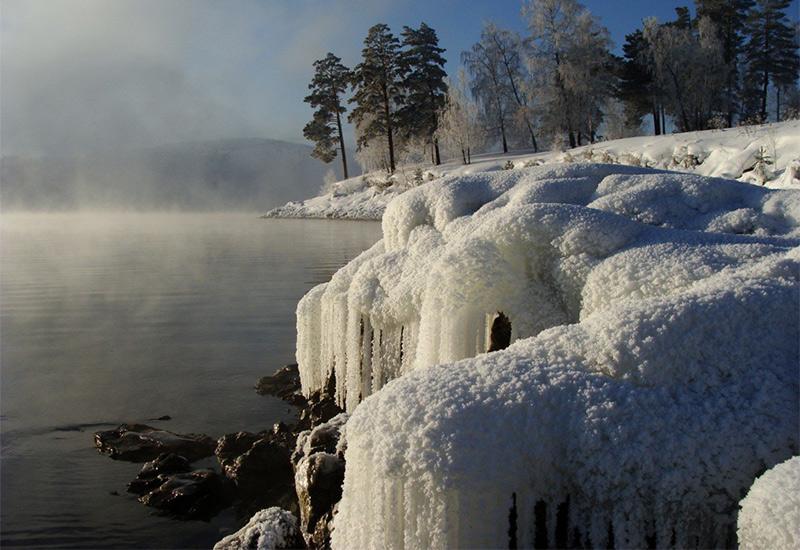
x=562, y=355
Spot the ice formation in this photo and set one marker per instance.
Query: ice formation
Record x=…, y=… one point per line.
x=269, y=529
x=654, y=339
x=770, y=515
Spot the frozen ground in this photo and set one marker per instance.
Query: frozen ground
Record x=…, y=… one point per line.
x=727, y=153
x=651, y=374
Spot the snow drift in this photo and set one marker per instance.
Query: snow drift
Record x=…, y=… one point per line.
x=770, y=516
x=651, y=373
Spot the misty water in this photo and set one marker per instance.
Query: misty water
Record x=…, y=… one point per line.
x=122, y=317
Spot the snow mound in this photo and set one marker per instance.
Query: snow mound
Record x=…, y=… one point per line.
x=653, y=325
x=271, y=528
x=770, y=515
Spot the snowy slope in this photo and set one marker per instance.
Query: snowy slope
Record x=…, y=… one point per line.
x=651, y=377
x=727, y=153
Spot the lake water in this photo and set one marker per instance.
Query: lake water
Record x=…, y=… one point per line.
x=119, y=317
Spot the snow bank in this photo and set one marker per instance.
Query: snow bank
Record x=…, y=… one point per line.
x=271, y=528
x=770, y=515
x=729, y=153
x=654, y=330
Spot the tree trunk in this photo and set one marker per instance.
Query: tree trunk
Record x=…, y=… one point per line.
x=437, y=157
x=777, y=103
x=341, y=145
x=463, y=156
x=765, y=86
x=503, y=133
x=663, y=121
x=469, y=156
x=571, y=139
x=389, y=137
x=656, y=121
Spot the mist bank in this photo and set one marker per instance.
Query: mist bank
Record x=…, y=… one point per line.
x=238, y=174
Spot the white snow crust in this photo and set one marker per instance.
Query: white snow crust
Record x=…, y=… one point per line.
x=268, y=529
x=729, y=153
x=770, y=514
x=652, y=374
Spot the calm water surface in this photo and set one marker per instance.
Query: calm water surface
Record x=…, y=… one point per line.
x=110, y=318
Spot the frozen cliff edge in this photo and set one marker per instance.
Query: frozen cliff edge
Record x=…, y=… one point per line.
x=651, y=376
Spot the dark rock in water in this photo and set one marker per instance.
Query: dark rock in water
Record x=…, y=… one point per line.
x=200, y=494
x=149, y=477
x=259, y=466
x=140, y=443
x=285, y=383
x=318, y=481
x=319, y=474
x=265, y=467
x=165, y=417
x=320, y=409
x=231, y=446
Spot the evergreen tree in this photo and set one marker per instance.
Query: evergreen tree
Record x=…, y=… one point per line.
x=637, y=88
x=729, y=16
x=424, y=85
x=771, y=51
x=377, y=82
x=331, y=80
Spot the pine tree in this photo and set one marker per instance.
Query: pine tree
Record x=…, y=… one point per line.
x=771, y=51
x=377, y=82
x=424, y=85
x=729, y=16
x=637, y=88
x=330, y=82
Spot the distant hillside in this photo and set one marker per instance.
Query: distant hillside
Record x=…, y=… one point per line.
x=232, y=174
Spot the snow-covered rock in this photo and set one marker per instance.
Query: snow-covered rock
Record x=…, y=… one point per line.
x=652, y=371
x=770, y=514
x=269, y=529
x=731, y=153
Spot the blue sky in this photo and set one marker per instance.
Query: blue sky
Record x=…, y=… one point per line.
x=79, y=75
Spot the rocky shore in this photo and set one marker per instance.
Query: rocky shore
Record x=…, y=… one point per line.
x=288, y=478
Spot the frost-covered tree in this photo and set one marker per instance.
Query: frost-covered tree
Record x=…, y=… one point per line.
x=771, y=50
x=490, y=85
x=424, y=85
x=378, y=90
x=508, y=46
x=569, y=52
x=459, y=123
x=688, y=68
x=330, y=82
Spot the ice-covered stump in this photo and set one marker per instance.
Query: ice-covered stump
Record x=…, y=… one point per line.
x=770, y=514
x=269, y=529
x=651, y=374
